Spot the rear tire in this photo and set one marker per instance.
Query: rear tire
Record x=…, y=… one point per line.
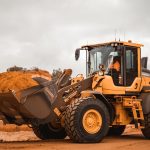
x=116, y=130
x=46, y=131
x=146, y=130
x=87, y=121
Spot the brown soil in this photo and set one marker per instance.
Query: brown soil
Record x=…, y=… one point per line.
x=132, y=139
x=19, y=80
x=14, y=128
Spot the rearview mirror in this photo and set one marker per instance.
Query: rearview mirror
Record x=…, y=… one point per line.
x=77, y=54
x=144, y=62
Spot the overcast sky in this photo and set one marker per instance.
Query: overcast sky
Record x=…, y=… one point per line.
x=45, y=33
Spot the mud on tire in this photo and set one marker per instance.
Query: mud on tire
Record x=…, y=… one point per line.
x=74, y=120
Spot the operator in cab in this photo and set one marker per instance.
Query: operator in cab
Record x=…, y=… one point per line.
x=114, y=70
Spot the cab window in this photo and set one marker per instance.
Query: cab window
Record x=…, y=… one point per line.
x=131, y=65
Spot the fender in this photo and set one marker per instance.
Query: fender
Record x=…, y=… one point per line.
x=102, y=98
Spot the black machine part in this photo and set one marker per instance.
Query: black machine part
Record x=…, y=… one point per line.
x=145, y=101
x=46, y=131
x=144, y=61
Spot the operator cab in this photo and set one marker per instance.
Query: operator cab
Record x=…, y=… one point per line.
x=120, y=60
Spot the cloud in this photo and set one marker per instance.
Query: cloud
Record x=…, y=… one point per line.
x=45, y=33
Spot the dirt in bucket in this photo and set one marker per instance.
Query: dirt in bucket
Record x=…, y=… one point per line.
x=19, y=80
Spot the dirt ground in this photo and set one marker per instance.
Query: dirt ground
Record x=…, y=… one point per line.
x=132, y=139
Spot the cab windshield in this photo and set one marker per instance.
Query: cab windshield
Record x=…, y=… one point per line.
x=102, y=55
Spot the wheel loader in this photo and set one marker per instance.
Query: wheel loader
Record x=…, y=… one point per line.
x=115, y=93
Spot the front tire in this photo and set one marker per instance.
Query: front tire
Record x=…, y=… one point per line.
x=46, y=131
x=87, y=121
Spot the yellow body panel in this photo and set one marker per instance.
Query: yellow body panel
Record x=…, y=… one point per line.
x=115, y=42
x=122, y=115
x=106, y=85
x=127, y=108
x=145, y=81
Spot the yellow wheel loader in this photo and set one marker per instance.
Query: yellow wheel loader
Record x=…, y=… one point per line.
x=115, y=93
x=118, y=96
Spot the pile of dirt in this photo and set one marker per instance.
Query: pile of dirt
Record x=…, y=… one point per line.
x=19, y=80
x=17, y=136
x=14, y=128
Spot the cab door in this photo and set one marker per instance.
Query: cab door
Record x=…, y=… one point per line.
x=130, y=65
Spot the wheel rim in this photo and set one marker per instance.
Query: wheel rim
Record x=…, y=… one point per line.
x=92, y=121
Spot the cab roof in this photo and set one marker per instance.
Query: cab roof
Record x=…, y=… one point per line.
x=115, y=43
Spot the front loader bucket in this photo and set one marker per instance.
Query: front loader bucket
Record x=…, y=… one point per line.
x=9, y=105
x=35, y=103
x=40, y=104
